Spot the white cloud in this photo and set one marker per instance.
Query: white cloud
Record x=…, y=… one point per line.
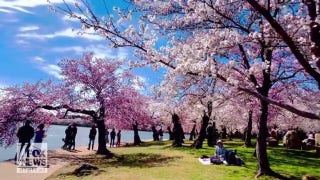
x=65, y=33
x=68, y=18
x=6, y=10
x=22, y=42
x=21, y=5
x=72, y=19
x=138, y=83
x=76, y=49
x=51, y=69
x=100, y=50
x=2, y=93
x=38, y=59
x=28, y=28
x=3, y=85
x=123, y=53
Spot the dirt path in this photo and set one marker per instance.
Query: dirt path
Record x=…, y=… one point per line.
x=56, y=160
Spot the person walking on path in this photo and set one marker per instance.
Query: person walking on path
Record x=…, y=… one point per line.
x=92, y=136
x=112, y=137
x=40, y=134
x=118, y=138
x=25, y=134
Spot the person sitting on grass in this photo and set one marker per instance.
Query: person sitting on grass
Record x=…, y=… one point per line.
x=224, y=156
x=220, y=154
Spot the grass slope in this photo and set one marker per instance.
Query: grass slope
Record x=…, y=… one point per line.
x=154, y=161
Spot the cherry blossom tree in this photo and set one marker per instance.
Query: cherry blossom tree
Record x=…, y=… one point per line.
x=20, y=103
x=187, y=16
x=99, y=89
x=258, y=48
x=305, y=12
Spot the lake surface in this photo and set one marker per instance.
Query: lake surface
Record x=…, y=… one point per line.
x=55, y=133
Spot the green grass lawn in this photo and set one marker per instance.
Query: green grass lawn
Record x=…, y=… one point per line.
x=154, y=161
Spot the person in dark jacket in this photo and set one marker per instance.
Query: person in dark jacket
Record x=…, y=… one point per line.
x=118, y=139
x=67, y=139
x=92, y=136
x=112, y=137
x=40, y=134
x=73, y=136
x=25, y=134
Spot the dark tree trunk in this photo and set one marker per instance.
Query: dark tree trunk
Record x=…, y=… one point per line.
x=314, y=29
x=193, y=133
x=202, y=134
x=230, y=135
x=102, y=148
x=136, y=137
x=170, y=133
x=261, y=147
x=224, y=133
x=178, y=134
x=247, y=141
x=212, y=134
x=155, y=133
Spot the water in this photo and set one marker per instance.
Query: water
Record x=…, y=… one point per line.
x=55, y=133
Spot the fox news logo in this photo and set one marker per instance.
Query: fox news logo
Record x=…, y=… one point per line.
x=32, y=159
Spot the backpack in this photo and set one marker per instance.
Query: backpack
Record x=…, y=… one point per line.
x=231, y=157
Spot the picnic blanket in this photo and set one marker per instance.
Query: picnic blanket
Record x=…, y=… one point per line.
x=205, y=161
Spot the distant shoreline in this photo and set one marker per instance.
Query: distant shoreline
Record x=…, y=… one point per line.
x=82, y=124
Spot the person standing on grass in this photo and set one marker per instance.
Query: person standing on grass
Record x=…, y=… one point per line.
x=73, y=136
x=112, y=137
x=25, y=134
x=92, y=136
x=40, y=134
x=118, y=138
x=67, y=139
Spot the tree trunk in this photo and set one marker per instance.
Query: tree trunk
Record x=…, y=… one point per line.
x=178, y=133
x=170, y=133
x=261, y=147
x=102, y=147
x=136, y=137
x=247, y=141
x=212, y=134
x=202, y=134
x=230, y=134
x=224, y=132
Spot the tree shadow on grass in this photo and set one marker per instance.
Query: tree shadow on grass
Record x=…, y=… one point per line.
x=141, y=160
x=292, y=153
x=296, y=159
x=146, y=144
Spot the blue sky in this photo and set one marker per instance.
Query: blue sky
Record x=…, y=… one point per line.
x=34, y=39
